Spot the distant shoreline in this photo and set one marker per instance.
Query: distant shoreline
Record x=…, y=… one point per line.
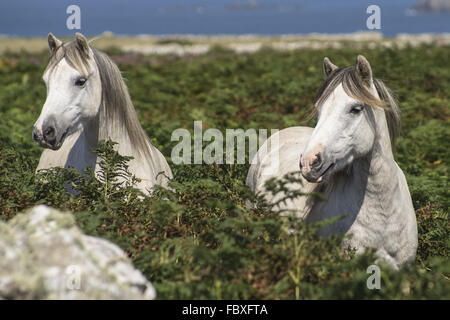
x=199, y=44
x=367, y=34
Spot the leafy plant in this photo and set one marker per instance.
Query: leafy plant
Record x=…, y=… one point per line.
x=199, y=239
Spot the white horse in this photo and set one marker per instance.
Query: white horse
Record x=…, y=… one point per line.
x=88, y=101
x=348, y=157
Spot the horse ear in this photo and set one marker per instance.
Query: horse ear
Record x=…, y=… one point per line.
x=53, y=42
x=364, y=70
x=328, y=67
x=82, y=43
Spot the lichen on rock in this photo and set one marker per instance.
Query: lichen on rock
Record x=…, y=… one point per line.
x=44, y=255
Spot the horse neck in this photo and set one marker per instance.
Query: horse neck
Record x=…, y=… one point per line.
x=381, y=164
x=116, y=131
x=77, y=151
x=377, y=171
x=91, y=134
x=99, y=129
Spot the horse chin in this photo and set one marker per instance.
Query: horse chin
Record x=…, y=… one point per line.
x=58, y=144
x=324, y=175
x=46, y=145
x=55, y=147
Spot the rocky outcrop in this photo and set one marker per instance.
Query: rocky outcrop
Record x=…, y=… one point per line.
x=44, y=255
x=429, y=6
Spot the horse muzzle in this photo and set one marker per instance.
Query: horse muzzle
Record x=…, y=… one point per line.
x=315, y=169
x=48, y=136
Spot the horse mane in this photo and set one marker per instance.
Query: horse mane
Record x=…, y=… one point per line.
x=117, y=116
x=355, y=88
x=118, y=113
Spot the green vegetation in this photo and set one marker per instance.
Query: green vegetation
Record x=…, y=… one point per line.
x=200, y=240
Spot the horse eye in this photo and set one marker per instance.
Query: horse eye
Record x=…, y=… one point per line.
x=357, y=108
x=80, y=82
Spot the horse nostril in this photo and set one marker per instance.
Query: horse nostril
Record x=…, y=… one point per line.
x=317, y=162
x=35, y=137
x=49, y=132
x=50, y=135
x=300, y=163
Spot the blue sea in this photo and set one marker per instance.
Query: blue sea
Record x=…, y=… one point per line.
x=212, y=17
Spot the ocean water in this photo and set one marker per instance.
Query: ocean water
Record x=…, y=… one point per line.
x=159, y=17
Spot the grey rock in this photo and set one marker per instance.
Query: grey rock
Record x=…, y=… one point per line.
x=44, y=255
x=433, y=6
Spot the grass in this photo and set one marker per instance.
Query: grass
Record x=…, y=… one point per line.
x=201, y=241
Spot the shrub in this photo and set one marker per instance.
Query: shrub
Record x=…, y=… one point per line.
x=199, y=239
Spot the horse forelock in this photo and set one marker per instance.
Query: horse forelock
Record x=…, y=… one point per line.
x=72, y=55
